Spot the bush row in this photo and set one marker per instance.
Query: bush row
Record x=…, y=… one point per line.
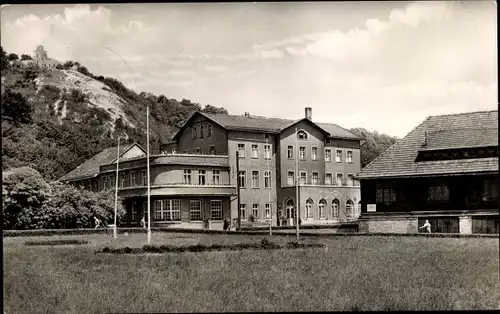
x=264, y=245
x=56, y=242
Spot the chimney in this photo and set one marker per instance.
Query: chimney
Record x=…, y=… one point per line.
x=309, y=113
x=247, y=114
x=425, y=140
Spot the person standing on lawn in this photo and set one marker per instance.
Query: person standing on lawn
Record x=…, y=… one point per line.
x=426, y=226
x=143, y=223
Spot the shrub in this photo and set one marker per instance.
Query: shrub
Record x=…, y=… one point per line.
x=251, y=218
x=29, y=202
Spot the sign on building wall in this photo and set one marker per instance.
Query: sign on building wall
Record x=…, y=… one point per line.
x=371, y=208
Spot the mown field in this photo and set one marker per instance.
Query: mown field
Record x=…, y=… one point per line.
x=350, y=273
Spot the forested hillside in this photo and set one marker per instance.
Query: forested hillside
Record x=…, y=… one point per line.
x=55, y=119
x=373, y=144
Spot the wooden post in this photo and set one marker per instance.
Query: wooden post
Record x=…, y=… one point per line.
x=238, y=188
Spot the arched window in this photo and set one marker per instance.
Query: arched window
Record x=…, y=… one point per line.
x=321, y=206
x=201, y=131
x=335, y=208
x=349, y=207
x=195, y=133
x=289, y=208
x=359, y=208
x=309, y=205
x=302, y=135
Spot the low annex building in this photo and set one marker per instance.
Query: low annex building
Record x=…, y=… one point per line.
x=444, y=171
x=195, y=175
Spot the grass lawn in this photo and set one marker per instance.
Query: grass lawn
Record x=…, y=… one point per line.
x=351, y=273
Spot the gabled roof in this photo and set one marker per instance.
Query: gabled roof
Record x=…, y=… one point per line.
x=265, y=124
x=445, y=131
x=90, y=168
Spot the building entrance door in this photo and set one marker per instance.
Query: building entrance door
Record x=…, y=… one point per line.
x=290, y=209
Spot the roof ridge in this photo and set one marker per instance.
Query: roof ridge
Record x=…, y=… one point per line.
x=463, y=113
x=396, y=143
x=347, y=130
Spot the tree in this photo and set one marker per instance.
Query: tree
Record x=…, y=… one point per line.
x=15, y=107
x=12, y=57
x=26, y=57
x=214, y=110
x=4, y=61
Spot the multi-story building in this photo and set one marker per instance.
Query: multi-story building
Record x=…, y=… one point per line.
x=445, y=171
x=200, y=164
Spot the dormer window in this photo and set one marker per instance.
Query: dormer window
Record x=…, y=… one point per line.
x=195, y=133
x=302, y=135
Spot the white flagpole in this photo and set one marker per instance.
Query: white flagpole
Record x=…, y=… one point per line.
x=149, y=190
x=270, y=186
x=116, y=189
x=297, y=183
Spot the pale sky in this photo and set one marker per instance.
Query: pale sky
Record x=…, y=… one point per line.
x=384, y=66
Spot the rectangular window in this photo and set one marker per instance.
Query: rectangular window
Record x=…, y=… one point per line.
x=302, y=153
x=172, y=209
x=328, y=179
x=187, y=176
x=267, y=179
x=241, y=150
x=216, y=177
x=350, y=180
x=145, y=211
x=255, y=211
x=438, y=192
x=255, y=151
x=349, y=156
x=143, y=178
x=216, y=210
x=112, y=181
x=290, y=152
x=201, y=177
x=195, y=210
x=315, y=178
x=255, y=179
x=339, y=180
x=268, y=210
x=338, y=156
x=267, y=151
x=105, y=182
x=132, y=179
x=209, y=131
x=242, y=179
x=314, y=153
x=303, y=177
x=211, y=149
x=291, y=178
x=135, y=211
x=243, y=211
x=328, y=154
x=385, y=193
x=490, y=190
x=160, y=213
x=122, y=180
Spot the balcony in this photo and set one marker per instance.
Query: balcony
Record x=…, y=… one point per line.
x=179, y=190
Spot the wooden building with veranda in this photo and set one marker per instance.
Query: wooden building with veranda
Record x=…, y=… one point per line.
x=444, y=171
